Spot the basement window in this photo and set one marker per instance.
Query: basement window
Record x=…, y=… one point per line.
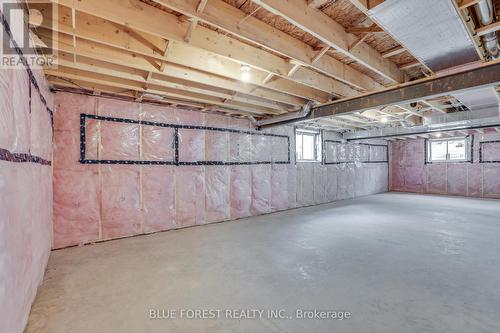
x=447, y=150
x=308, y=145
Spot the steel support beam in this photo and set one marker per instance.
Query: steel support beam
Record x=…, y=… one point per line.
x=487, y=75
x=432, y=87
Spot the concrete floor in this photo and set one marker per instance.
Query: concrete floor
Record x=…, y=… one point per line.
x=397, y=262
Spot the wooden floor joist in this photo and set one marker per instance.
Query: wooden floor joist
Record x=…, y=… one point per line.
x=90, y=54
x=226, y=17
x=394, y=51
x=494, y=27
x=331, y=33
x=179, y=56
x=463, y=4
x=196, y=50
x=150, y=19
x=105, y=80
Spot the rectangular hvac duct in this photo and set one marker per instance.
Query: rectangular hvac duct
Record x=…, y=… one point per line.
x=480, y=99
x=431, y=30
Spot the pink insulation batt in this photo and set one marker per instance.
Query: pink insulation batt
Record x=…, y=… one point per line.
x=226, y=174
x=26, y=187
x=479, y=178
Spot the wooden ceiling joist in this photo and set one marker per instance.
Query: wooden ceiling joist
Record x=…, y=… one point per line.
x=277, y=90
x=463, y=4
x=410, y=65
x=113, y=81
x=200, y=51
x=167, y=26
x=488, y=29
x=317, y=3
x=106, y=58
x=331, y=33
x=204, y=40
x=78, y=86
x=433, y=106
x=226, y=17
x=365, y=5
x=409, y=109
x=362, y=30
x=394, y=51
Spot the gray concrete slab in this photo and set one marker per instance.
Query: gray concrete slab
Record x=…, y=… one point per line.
x=396, y=262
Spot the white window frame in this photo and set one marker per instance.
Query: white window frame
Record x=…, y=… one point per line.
x=447, y=159
x=318, y=153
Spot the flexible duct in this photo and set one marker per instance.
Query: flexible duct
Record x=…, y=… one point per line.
x=484, y=10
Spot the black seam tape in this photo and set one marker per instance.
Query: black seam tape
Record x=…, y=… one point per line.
x=8, y=156
x=481, y=151
x=27, y=67
x=176, y=128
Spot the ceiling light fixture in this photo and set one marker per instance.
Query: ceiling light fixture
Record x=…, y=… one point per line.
x=384, y=120
x=246, y=75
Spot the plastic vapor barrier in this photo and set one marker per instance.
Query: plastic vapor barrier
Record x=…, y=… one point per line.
x=477, y=177
x=25, y=189
x=123, y=168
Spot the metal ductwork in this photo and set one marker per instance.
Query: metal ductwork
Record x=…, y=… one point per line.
x=483, y=100
x=286, y=118
x=416, y=130
x=432, y=30
x=485, y=12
